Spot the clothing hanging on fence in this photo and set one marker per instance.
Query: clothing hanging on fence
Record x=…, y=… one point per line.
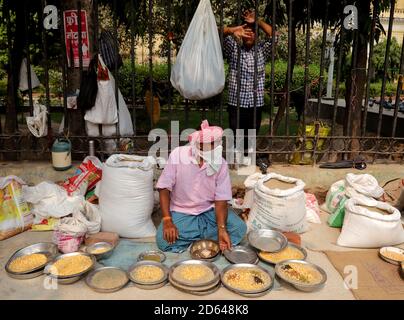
x=23, y=86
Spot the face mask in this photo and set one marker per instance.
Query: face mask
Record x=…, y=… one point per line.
x=213, y=159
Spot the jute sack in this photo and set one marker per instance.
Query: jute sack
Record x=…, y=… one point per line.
x=370, y=223
x=279, y=203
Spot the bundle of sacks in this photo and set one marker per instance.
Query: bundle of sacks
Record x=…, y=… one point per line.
x=278, y=202
x=366, y=222
x=361, y=186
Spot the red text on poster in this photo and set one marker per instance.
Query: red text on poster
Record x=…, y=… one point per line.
x=71, y=23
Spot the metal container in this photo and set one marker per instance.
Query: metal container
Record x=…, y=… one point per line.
x=61, y=154
x=193, y=288
x=149, y=263
x=302, y=250
x=91, y=148
x=205, y=249
x=241, y=254
x=150, y=286
x=299, y=285
x=66, y=280
x=50, y=250
x=100, y=245
x=152, y=255
x=265, y=289
x=210, y=265
x=267, y=240
x=92, y=285
x=49, y=266
x=393, y=249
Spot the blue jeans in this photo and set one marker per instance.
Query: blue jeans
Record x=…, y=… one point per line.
x=202, y=226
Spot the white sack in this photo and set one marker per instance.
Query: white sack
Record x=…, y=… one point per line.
x=198, y=72
x=364, y=228
x=365, y=184
x=284, y=210
x=126, y=196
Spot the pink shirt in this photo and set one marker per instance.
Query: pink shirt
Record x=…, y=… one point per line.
x=192, y=191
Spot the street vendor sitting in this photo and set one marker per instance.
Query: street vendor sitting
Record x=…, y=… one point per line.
x=194, y=190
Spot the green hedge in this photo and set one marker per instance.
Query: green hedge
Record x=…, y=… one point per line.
x=374, y=90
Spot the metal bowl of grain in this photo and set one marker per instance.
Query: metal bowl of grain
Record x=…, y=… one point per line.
x=101, y=250
x=392, y=255
x=29, y=262
x=152, y=255
x=291, y=252
x=194, y=273
x=107, y=279
x=302, y=275
x=70, y=265
x=205, y=249
x=148, y=274
x=247, y=279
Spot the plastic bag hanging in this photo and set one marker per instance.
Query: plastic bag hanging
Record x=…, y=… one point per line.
x=198, y=72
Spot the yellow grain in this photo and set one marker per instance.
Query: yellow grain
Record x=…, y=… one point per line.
x=28, y=262
x=71, y=265
x=288, y=253
x=147, y=273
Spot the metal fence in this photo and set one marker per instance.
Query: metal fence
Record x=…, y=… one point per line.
x=385, y=143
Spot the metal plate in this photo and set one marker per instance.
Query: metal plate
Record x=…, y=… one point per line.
x=384, y=249
x=101, y=245
x=49, y=266
x=267, y=240
x=198, y=293
x=241, y=254
x=148, y=263
x=246, y=265
x=25, y=276
x=157, y=253
x=50, y=250
x=92, y=285
x=302, y=250
x=199, y=247
x=299, y=285
x=191, y=288
x=150, y=287
x=216, y=272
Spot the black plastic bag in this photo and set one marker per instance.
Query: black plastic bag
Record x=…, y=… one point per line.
x=88, y=86
x=109, y=50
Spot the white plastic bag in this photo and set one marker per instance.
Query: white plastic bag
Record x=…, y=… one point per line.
x=37, y=124
x=198, y=72
x=23, y=85
x=50, y=200
x=126, y=196
x=105, y=110
x=365, y=228
x=284, y=210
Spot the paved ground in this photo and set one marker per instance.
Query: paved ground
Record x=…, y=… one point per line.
x=34, y=288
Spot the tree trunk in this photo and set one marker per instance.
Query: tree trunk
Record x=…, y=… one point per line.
x=75, y=118
x=16, y=41
x=356, y=83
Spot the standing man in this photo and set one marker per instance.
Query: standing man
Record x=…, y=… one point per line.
x=194, y=190
x=244, y=36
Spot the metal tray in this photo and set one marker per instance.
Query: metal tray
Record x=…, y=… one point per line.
x=49, y=265
x=241, y=254
x=299, y=285
x=246, y=265
x=25, y=276
x=205, y=244
x=302, y=250
x=148, y=263
x=50, y=250
x=158, y=253
x=250, y=295
x=210, y=265
x=267, y=240
x=398, y=250
x=197, y=293
x=90, y=277
x=66, y=280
